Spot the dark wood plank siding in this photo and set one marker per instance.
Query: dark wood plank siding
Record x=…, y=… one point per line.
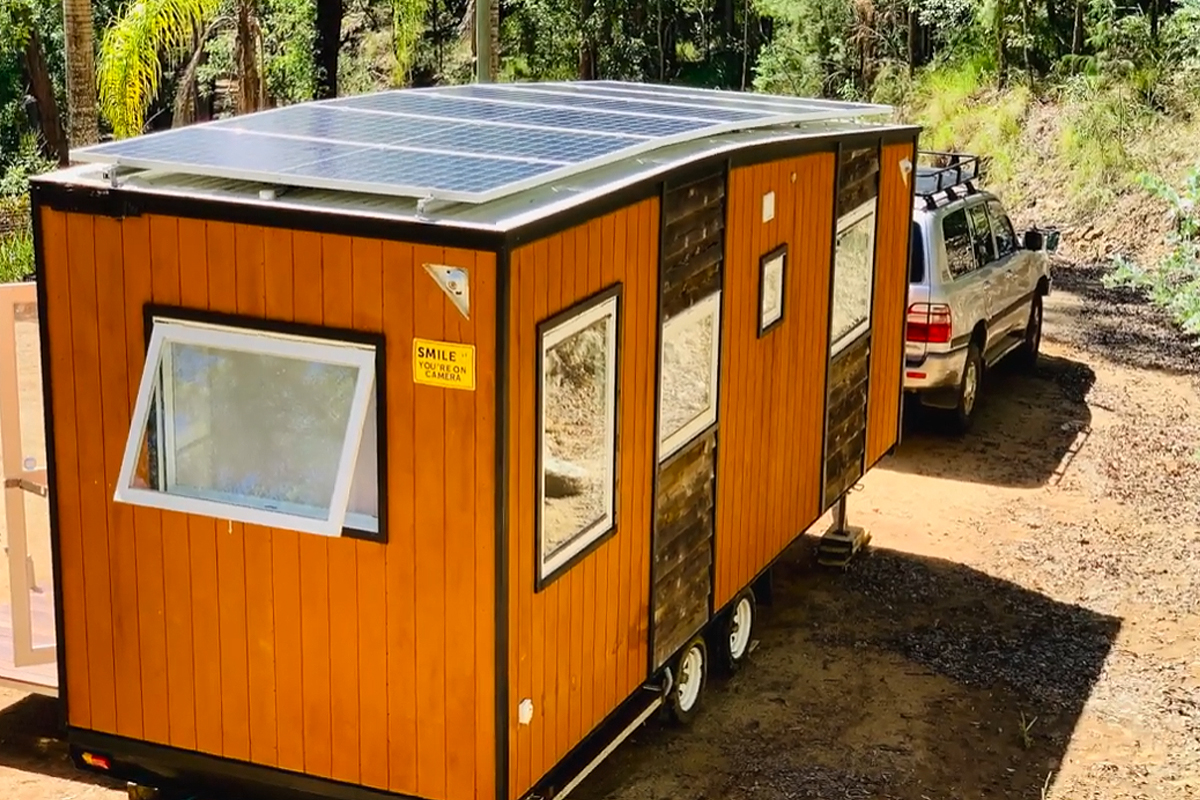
x=846, y=441
x=287, y=650
x=683, y=532
x=693, y=257
x=772, y=397
x=579, y=647
x=890, y=301
x=693, y=242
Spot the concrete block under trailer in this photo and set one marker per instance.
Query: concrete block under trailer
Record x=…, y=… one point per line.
x=362, y=495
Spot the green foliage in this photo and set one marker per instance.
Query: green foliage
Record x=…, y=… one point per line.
x=27, y=162
x=17, y=19
x=1173, y=283
x=960, y=109
x=810, y=53
x=408, y=23
x=16, y=255
x=288, y=30
x=132, y=51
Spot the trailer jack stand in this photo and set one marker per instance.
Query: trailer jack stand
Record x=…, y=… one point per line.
x=841, y=541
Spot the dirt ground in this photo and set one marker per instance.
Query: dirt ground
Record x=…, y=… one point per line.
x=1024, y=624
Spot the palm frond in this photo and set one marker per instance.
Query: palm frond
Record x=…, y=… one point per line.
x=132, y=52
x=408, y=23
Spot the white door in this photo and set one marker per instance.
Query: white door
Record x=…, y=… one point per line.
x=27, y=546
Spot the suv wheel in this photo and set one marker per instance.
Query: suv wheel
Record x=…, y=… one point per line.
x=1033, y=335
x=968, y=389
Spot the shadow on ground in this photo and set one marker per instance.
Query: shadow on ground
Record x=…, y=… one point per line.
x=1119, y=324
x=905, y=678
x=32, y=741
x=1026, y=429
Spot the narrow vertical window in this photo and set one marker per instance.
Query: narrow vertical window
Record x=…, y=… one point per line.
x=853, y=275
x=772, y=281
x=577, y=437
x=691, y=346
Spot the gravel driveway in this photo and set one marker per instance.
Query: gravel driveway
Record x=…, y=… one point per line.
x=1024, y=625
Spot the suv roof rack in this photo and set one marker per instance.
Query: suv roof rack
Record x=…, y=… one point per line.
x=951, y=176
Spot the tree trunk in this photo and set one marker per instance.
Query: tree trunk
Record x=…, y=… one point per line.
x=53, y=137
x=1025, y=39
x=1077, y=36
x=1154, y=21
x=82, y=119
x=587, y=44
x=326, y=46
x=249, y=96
x=1001, y=63
x=494, y=55
x=914, y=54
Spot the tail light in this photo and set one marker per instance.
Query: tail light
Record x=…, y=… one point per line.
x=929, y=322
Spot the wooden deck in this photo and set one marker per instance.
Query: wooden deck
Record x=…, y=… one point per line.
x=42, y=678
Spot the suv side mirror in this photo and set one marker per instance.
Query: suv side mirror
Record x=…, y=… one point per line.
x=1034, y=240
x=1051, y=241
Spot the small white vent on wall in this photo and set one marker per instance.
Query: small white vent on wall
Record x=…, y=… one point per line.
x=768, y=206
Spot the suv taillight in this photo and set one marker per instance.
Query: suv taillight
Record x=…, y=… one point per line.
x=928, y=323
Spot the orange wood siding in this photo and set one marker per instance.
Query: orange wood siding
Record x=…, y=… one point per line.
x=890, y=296
x=367, y=663
x=578, y=648
x=772, y=394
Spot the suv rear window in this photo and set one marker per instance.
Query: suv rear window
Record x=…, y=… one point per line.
x=960, y=255
x=916, y=256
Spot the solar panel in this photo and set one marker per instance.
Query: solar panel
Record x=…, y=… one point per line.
x=471, y=143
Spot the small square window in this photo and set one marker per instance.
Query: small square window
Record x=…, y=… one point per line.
x=691, y=347
x=853, y=275
x=772, y=283
x=577, y=437
x=257, y=427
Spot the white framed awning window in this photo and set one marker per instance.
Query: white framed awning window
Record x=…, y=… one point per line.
x=691, y=349
x=255, y=426
x=853, y=276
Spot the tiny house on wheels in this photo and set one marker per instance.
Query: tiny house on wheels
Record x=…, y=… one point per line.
x=423, y=443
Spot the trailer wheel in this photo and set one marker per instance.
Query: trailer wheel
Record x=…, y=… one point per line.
x=691, y=674
x=736, y=630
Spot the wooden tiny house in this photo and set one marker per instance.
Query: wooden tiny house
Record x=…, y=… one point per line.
x=423, y=443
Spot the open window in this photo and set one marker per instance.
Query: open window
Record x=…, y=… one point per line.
x=258, y=427
x=691, y=346
x=853, y=275
x=577, y=436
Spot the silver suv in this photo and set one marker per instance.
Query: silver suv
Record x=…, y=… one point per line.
x=975, y=290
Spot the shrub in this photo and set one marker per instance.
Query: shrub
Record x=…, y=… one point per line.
x=1173, y=283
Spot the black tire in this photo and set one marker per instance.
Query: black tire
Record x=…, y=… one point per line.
x=736, y=631
x=1028, y=351
x=684, y=698
x=969, y=386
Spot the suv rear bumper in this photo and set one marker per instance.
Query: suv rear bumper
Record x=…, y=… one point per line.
x=934, y=371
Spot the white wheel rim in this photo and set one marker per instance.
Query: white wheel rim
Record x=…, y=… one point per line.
x=691, y=673
x=970, y=385
x=739, y=632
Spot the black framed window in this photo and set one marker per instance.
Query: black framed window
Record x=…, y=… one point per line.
x=772, y=288
x=577, y=430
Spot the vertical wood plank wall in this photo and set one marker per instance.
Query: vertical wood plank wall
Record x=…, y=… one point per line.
x=772, y=389
x=365, y=663
x=891, y=293
x=577, y=649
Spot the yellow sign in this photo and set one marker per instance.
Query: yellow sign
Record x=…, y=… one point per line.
x=444, y=364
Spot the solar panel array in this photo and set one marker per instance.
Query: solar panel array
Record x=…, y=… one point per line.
x=471, y=143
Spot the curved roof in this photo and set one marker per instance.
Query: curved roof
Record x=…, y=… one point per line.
x=471, y=144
